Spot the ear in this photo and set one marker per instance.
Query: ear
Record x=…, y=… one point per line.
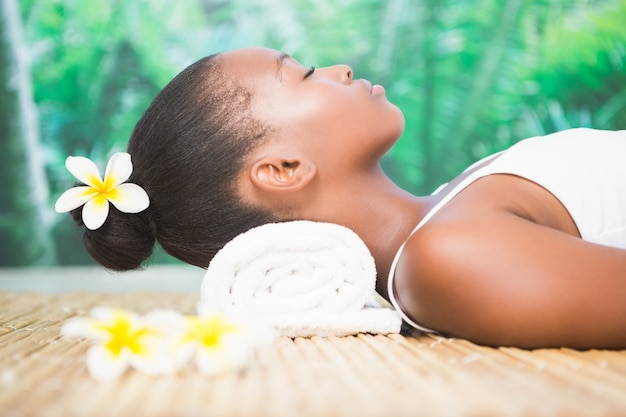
x=282, y=174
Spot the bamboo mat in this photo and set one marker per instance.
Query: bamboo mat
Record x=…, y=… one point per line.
x=399, y=375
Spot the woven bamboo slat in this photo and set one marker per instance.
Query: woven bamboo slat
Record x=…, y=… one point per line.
x=42, y=374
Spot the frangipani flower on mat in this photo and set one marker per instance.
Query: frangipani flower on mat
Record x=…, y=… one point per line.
x=98, y=192
x=216, y=343
x=164, y=341
x=122, y=339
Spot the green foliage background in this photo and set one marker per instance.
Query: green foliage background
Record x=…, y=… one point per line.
x=472, y=77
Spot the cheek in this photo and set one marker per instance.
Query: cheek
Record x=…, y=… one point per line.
x=317, y=116
x=327, y=113
x=378, y=121
x=336, y=112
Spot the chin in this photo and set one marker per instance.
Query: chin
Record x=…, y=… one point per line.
x=399, y=122
x=396, y=113
x=388, y=130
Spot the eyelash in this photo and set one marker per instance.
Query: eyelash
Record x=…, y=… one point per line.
x=309, y=72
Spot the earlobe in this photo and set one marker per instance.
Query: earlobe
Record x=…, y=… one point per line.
x=282, y=175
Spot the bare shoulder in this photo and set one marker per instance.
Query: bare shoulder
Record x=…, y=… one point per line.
x=438, y=274
x=497, y=278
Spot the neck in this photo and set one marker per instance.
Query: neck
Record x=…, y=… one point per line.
x=387, y=224
x=382, y=214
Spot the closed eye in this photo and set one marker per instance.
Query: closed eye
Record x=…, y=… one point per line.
x=309, y=72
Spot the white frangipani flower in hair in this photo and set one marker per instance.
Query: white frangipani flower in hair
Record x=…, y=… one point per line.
x=97, y=192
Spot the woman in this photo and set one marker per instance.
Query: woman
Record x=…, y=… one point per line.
x=251, y=136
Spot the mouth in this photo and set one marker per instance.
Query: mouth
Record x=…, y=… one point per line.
x=374, y=89
x=368, y=85
x=377, y=89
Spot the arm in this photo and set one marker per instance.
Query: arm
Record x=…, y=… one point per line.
x=499, y=279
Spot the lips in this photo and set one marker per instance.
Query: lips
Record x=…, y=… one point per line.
x=377, y=89
x=374, y=89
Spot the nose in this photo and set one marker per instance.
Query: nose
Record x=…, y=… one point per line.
x=341, y=73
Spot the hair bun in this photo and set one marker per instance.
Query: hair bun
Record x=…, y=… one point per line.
x=123, y=242
x=77, y=216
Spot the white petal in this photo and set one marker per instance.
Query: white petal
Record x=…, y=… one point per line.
x=171, y=327
x=182, y=353
x=73, y=198
x=103, y=365
x=156, y=360
x=213, y=362
x=95, y=213
x=226, y=357
x=84, y=170
x=220, y=360
x=118, y=168
x=169, y=323
x=80, y=327
x=130, y=198
x=237, y=347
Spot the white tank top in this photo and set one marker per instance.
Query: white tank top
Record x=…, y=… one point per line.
x=584, y=168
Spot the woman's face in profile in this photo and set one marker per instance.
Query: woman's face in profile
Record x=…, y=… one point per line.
x=328, y=111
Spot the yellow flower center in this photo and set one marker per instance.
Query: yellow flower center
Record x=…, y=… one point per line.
x=103, y=190
x=209, y=331
x=122, y=334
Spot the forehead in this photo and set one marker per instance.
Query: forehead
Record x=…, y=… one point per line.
x=253, y=62
x=261, y=71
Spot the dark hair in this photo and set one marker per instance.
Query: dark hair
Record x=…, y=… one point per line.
x=187, y=151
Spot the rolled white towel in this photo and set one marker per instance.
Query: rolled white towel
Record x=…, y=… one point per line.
x=305, y=278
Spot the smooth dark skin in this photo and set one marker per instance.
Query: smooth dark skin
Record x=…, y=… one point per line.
x=502, y=263
x=507, y=260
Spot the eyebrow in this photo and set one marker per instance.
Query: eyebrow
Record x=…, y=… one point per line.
x=279, y=66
